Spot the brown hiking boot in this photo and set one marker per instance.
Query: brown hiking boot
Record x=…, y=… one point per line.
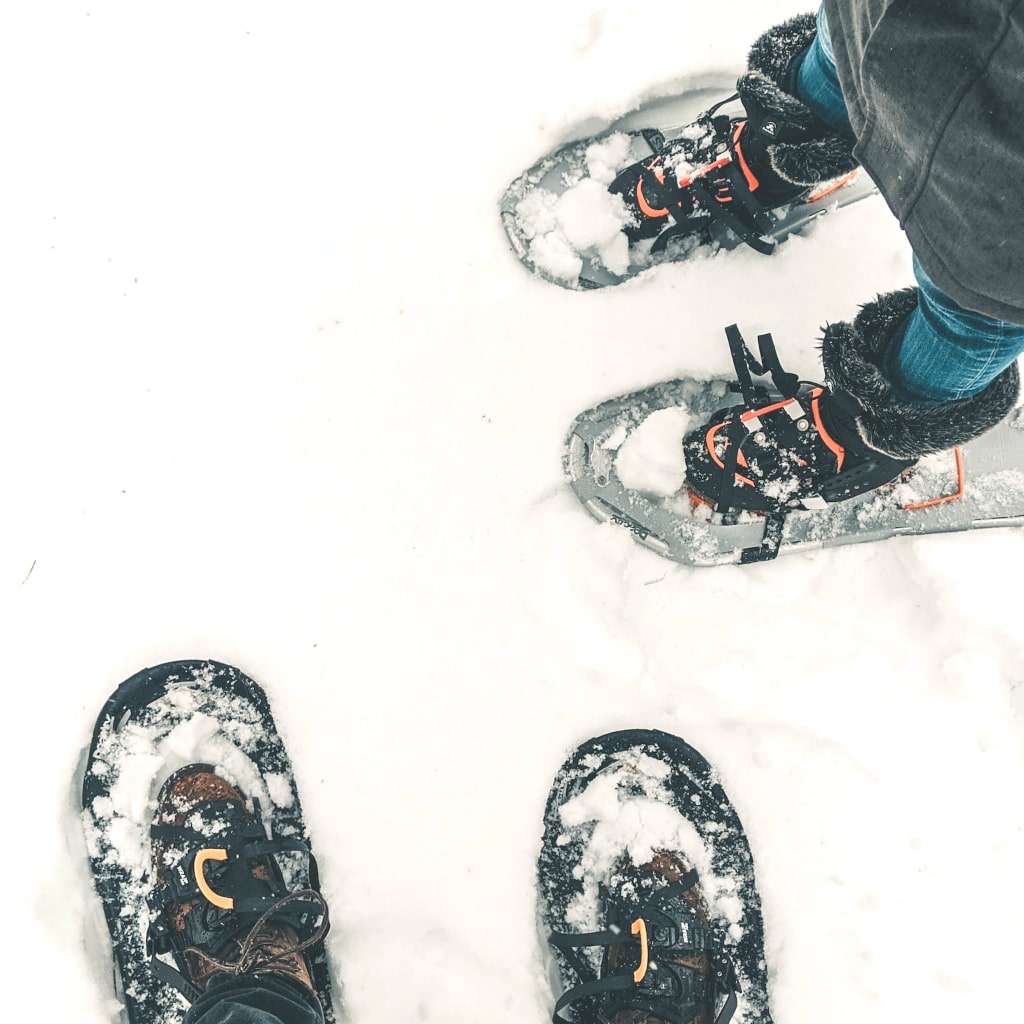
x=664, y=958
x=223, y=905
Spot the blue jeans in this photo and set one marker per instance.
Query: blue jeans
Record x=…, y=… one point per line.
x=254, y=1000
x=813, y=79
x=943, y=352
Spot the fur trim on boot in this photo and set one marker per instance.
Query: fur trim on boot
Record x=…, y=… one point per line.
x=774, y=50
x=807, y=151
x=852, y=357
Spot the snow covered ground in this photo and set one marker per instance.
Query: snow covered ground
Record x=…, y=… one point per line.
x=277, y=393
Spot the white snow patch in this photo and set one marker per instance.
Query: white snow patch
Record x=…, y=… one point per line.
x=651, y=460
x=589, y=215
x=606, y=158
x=553, y=253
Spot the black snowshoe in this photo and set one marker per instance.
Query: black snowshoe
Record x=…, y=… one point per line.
x=643, y=936
x=202, y=875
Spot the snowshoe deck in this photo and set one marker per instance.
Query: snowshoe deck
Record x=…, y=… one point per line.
x=606, y=441
x=649, y=765
x=554, y=223
x=154, y=723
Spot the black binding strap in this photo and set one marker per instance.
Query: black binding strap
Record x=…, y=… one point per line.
x=681, y=885
x=770, y=543
x=734, y=432
x=743, y=361
x=169, y=976
x=787, y=383
x=754, y=237
x=592, y=985
x=725, y=1014
x=721, y=103
x=616, y=983
x=622, y=982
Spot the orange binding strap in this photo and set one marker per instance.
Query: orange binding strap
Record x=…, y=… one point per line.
x=834, y=187
x=959, y=493
x=639, y=927
x=752, y=183
x=222, y=902
x=645, y=207
x=704, y=171
x=830, y=442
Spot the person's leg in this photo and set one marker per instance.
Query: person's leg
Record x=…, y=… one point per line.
x=813, y=79
x=255, y=1000
x=945, y=352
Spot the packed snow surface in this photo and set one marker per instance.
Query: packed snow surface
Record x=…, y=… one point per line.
x=277, y=393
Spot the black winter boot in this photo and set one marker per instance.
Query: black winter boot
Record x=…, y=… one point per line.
x=822, y=444
x=789, y=147
x=736, y=170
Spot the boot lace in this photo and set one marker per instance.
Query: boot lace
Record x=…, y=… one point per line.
x=267, y=947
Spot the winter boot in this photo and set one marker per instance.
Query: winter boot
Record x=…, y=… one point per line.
x=221, y=902
x=736, y=170
x=664, y=959
x=815, y=444
x=853, y=355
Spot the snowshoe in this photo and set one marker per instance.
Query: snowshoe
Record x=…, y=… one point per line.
x=669, y=181
x=699, y=173
x=778, y=465
x=201, y=870
x=661, y=927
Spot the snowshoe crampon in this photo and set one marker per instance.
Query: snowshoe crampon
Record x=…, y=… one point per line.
x=657, y=186
x=158, y=722
x=661, y=918
x=715, y=472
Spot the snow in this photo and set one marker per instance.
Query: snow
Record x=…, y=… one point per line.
x=651, y=460
x=277, y=393
x=585, y=217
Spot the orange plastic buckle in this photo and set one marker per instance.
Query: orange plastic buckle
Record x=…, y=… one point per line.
x=223, y=902
x=639, y=927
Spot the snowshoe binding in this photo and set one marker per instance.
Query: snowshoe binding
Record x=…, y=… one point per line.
x=794, y=448
x=716, y=178
x=663, y=956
